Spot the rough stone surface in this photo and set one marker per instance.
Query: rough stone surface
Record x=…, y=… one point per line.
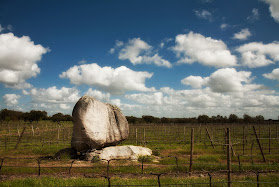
x=97, y=125
x=119, y=152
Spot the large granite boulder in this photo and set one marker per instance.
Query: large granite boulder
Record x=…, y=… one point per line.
x=126, y=152
x=97, y=125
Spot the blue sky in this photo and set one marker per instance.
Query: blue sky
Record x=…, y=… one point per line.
x=161, y=58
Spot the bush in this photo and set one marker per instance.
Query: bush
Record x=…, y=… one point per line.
x=144, y=158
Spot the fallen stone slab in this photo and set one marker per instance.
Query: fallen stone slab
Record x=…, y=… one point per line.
x=126, y=152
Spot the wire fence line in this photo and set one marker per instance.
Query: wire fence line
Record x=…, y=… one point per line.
x=110, y=175
x=243, y=142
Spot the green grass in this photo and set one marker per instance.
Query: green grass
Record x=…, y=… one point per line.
x=145, y=180
x=166, y=141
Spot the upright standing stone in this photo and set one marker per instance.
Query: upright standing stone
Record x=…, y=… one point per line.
x=97, y=125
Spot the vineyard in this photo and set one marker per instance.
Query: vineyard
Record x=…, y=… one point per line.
x=183, y=155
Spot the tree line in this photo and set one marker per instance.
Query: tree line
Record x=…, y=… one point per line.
x=36, y=115
x=32, y=116
x=200, y=119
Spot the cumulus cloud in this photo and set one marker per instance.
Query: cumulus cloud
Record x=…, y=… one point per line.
x=257, y=54
x=273, y=8
x=65, y=106
x=204, y=14
x=224, y=80
x=177, y=103
x=242, y=35
x=274, y=75
x=105, y=97
x=194, y=81
x=138, y=51
x=195, y=47
x=115, y=81
x=229, y=80
x=152, y=98
x=54, y=95
x=18, y=60
x=11, y=99
x=255, y=15
x=133, y=49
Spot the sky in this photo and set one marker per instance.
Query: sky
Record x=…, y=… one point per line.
x=165, y=58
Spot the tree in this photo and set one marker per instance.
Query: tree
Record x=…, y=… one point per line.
x=36, y=115
x=259, y=119
x=233, y=118
x=57, y=117
x=247, y=118
x=203, y=119
x=150, y=119
x=61, y=117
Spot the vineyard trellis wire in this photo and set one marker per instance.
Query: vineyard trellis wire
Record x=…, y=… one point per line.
x=242, y=144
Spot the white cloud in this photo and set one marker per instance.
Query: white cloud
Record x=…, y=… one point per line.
x=11, y=99
x=191, y=103
x=18, y=60
x=229, y=80
x=152, y=98
x=257, y=54
x=274, y=75
x=204, y=14
x=116, y=102
x=223, y=26
x=1, y=28
x=24, y=92
x=9, y=28
x=54, y=95
x=65, y=106
x=223, y=81
x=133, y=49
x=194, y=81
x=118, y=44
x=105, y=97
x=273, y=8
x=255, y=15
x=82, y=61
x=54, y=100
x=165, y=41
x=195, y=47
x=115, y=81
x=156, y=59
x=242, y=35
x=138, y=51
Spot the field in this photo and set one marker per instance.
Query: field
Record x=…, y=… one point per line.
x=183, y=154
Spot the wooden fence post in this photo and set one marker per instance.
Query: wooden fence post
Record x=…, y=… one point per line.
x=20, y=137
x=243, y=141
x=228, y=157
x=39, y=166
x=33, y=130
x=258, y=178
x=209, y=138
x=210, y=179
x=58, y=133
x=2, y=161
x=258, y=141
x=191, y=152
x=136, y=136
x=269, y=141
x=144, y=140
x=5, y=142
